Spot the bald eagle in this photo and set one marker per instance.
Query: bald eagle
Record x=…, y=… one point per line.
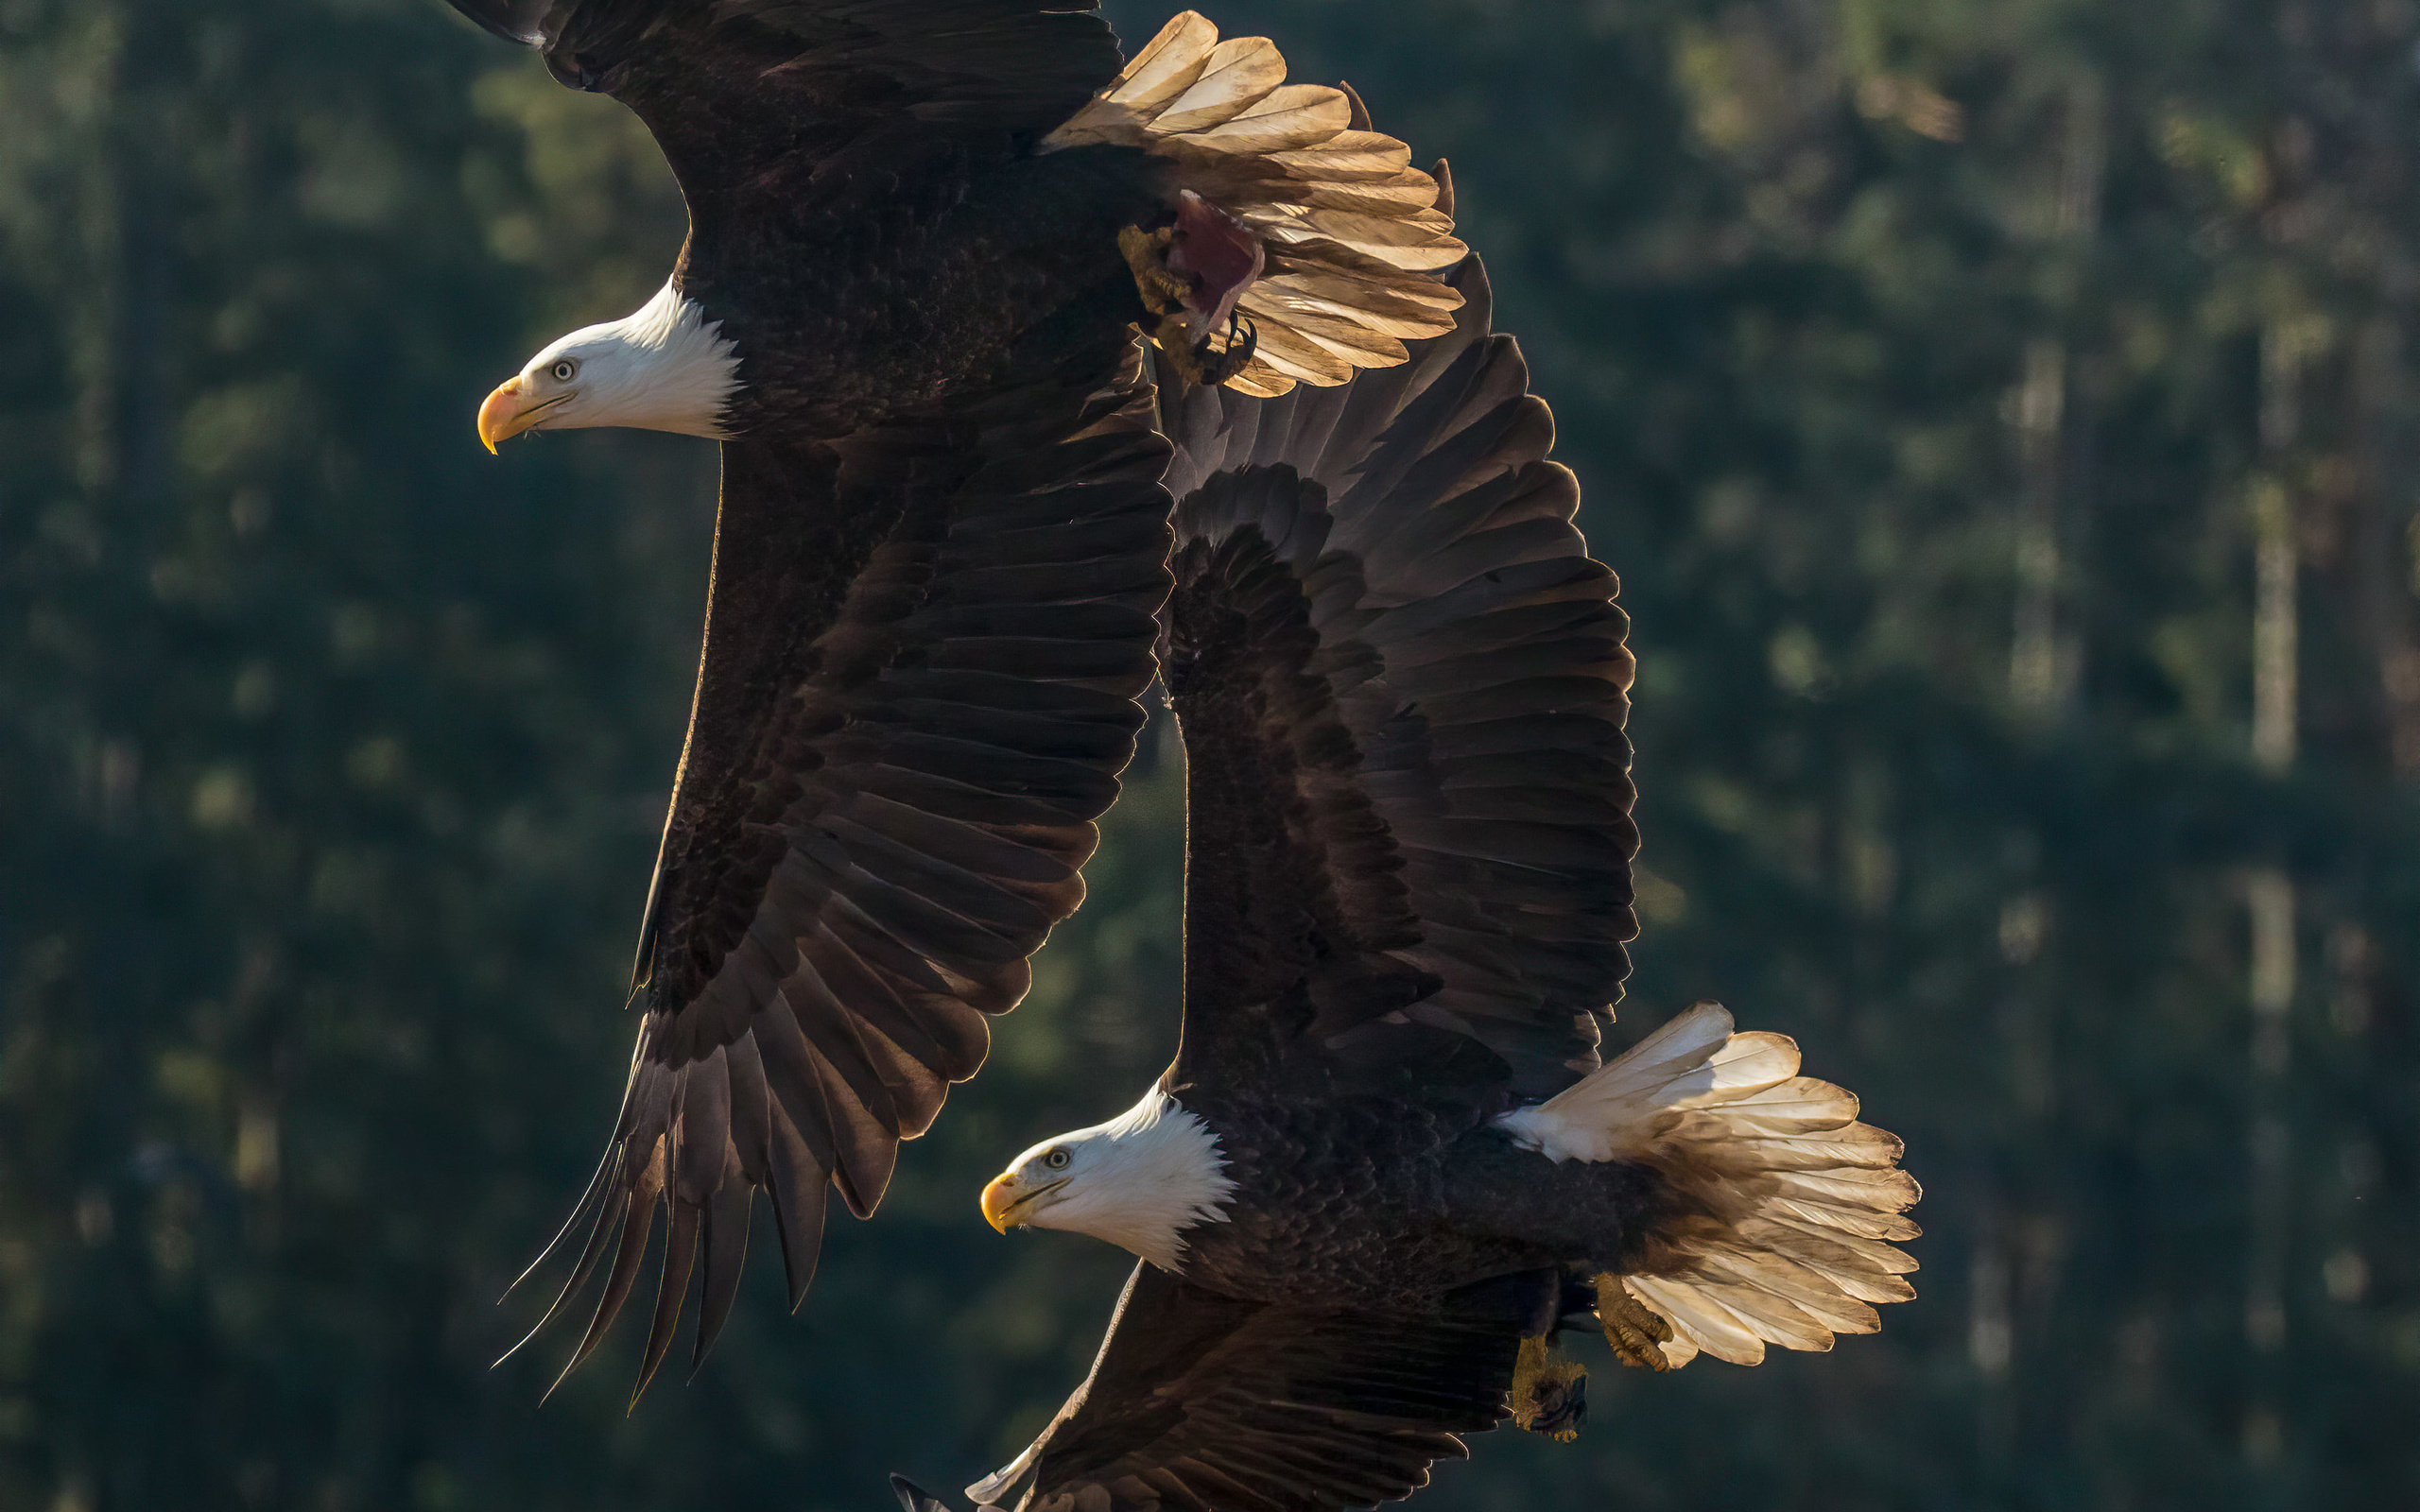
x=1388, y=1163
x=924, y=237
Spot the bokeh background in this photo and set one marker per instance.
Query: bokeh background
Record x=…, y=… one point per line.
x=2005, y=415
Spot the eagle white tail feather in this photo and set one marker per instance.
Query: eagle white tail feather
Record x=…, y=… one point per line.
x=1801, y=1199
x=1350, y=230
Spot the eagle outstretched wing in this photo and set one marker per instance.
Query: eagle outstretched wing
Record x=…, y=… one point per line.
x=922, y=652
x=1402, y=683
x=1200, y=1400
x=734, y=88
x=925, y=638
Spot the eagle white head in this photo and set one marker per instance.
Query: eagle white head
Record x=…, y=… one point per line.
x=663, y=367
x=1139, y=1181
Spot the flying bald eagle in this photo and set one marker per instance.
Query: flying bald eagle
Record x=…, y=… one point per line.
x=1387, y=1165
x=924, y=236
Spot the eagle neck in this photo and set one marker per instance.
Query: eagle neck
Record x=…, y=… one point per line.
x=1172, y=1177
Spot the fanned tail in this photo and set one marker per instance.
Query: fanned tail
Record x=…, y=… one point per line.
x=1350, y=230
x=1793, y=1203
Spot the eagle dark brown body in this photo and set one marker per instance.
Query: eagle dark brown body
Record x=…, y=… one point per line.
x=1369, y=1204
x=959, y=272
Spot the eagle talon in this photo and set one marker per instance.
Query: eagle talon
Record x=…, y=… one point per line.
x=1200, y=361
x=1243, y=339
x=1146, y=252
x=1549, y=1393
x=1174, y=298
x=1632, y=1331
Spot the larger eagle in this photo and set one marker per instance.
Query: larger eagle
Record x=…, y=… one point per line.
x=1389, y=1161
x=922, y=236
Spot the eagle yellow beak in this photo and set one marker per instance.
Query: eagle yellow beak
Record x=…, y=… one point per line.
x=506, y=415
x=1001, y=1201
x=1009, y=1203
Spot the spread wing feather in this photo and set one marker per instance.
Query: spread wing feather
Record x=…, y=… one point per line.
x=922, y=652
x=1402, y=683
x=1349, y=230
x=732, y=88
x=1201, y=1401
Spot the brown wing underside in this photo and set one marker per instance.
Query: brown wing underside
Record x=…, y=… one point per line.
x=922, y=657
x=1402, y=683
x=1201, y=1402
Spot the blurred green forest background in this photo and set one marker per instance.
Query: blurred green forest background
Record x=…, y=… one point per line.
x=2005, y=415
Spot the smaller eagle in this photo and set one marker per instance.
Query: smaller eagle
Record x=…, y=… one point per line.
x=1387, y=1165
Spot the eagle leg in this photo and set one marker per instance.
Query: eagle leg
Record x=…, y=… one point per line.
x=1174, y=337
x=1200, y=361
x=1549, y=1392
x=1632, y=1331
x=1190, y=274
x=1146, y=252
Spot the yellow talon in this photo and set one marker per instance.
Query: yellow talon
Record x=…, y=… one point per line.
x=1632, y=1330
x=1146, y=252
x=1202, y=357
x=1548, y=1394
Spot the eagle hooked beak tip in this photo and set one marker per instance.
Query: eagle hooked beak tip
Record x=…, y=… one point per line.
x=1009, y=1203
x=504, y=416
x=1001, y=1201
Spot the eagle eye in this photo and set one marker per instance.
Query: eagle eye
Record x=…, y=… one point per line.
x=563, y=371
x=1055, y=1159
